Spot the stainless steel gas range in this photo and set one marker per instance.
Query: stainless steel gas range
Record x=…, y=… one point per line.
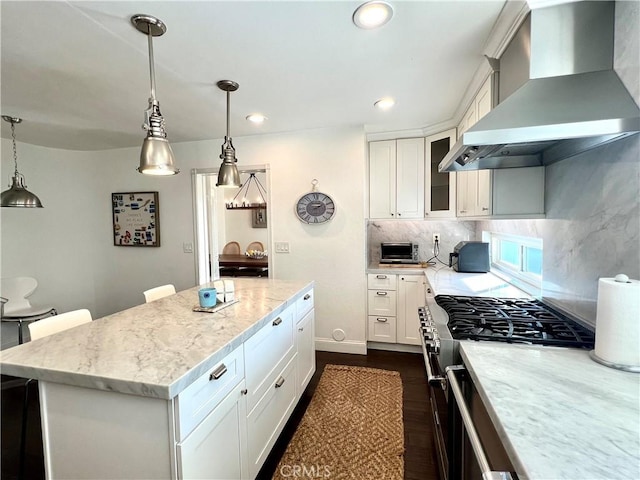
x=467, y=446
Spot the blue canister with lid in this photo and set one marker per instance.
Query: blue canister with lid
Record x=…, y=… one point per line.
x=207, y=297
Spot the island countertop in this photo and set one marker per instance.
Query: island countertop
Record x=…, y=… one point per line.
x=559, y=414
x=155, y=349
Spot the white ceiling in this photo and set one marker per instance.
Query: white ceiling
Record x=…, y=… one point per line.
x=78, y=74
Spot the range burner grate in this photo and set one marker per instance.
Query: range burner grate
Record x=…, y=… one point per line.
x=512, y=320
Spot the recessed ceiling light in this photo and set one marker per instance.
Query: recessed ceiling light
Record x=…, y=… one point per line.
x=256, y=118
x=385, y=103
x=372, y=14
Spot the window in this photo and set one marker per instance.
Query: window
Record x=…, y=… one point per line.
x=517, y=257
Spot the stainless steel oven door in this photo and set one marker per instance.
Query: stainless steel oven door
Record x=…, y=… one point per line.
x=438, y=404
x=437, y=397
x=475, y=449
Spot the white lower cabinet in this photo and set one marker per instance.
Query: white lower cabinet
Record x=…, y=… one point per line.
x=381, y=329
x=217, y=447
x=382, y=302
x=393, y=309
x=306, y=356
x=411, y=296
x=267, y=419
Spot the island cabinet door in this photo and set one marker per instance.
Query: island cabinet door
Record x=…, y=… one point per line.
x=266, y=421
x=306, y=351
x=217, y=448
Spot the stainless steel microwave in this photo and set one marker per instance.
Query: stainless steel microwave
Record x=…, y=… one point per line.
x=400, y=252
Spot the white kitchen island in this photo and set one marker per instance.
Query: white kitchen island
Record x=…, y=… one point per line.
x=160, y=391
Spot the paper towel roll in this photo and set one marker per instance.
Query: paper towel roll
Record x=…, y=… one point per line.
x=618, y=321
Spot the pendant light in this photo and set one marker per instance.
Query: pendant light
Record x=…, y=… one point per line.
x=228, y=175
x=17, y=195
x=156, y=156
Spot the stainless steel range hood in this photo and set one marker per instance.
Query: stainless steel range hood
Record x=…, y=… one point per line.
x=573, y=102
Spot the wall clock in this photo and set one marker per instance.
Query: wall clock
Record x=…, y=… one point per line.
x=315, y=207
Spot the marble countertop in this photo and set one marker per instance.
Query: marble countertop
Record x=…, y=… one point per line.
x=559, y=414
x=446, y=281
x=155, y=349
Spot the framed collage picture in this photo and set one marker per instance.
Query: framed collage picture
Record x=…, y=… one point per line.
x=136, y=219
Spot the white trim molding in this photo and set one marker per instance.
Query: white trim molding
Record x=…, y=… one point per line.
x=345, y=346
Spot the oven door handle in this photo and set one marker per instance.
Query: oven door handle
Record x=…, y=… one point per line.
x=454, y=385
x=433, y=380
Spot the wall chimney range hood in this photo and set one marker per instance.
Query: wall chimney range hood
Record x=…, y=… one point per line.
x=573, y=101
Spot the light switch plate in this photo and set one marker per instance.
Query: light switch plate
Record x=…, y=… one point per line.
x=187, y=247
x=282, y=247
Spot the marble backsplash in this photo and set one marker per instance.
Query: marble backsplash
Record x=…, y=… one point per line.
x=420, y=232
x=592, y=224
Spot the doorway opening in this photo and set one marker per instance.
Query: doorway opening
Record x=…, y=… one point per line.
x=216, y=226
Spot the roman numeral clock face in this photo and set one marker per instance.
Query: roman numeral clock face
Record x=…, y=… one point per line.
x=315, y=207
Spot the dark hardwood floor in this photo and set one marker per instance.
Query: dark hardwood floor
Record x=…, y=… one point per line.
x=420, y=462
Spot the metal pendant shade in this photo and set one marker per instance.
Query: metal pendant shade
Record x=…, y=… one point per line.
x=156, y=156
x=228, y=175
x=17, y=195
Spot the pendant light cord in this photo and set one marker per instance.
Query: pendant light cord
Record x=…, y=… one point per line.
x=151, y=66
x=228, y=116
x=15, y=151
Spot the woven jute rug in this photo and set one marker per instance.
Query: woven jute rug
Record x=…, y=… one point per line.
x=352, y=428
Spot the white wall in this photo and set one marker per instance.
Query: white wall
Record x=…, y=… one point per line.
x=68, y=245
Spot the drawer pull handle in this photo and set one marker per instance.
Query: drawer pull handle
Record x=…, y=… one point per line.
x=307, y=296
x=244, y=391
x=301, y=329
x=381, y=277
x=280, y=382
x=218, y=372
x=381, y=319
x=277, y=322
x=382, y=294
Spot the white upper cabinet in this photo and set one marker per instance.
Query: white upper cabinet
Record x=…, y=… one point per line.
x=440, y=187
x=507, y=193
x=396, y=178
x=484, y=99
x=382, y=179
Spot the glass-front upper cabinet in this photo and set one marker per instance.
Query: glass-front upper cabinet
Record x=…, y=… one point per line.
x=440, y=188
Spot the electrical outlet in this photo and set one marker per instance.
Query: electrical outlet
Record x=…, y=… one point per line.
x=436, y=237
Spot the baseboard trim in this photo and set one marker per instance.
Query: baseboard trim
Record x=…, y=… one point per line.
x=394, y=347
x=328, y=345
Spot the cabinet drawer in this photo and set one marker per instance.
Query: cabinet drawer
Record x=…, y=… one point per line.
x=266, y=353
x=382, y=303
x=267, y=420
x=381, y=329
x=195, y=402
x=304, y=304
x=381, y=281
